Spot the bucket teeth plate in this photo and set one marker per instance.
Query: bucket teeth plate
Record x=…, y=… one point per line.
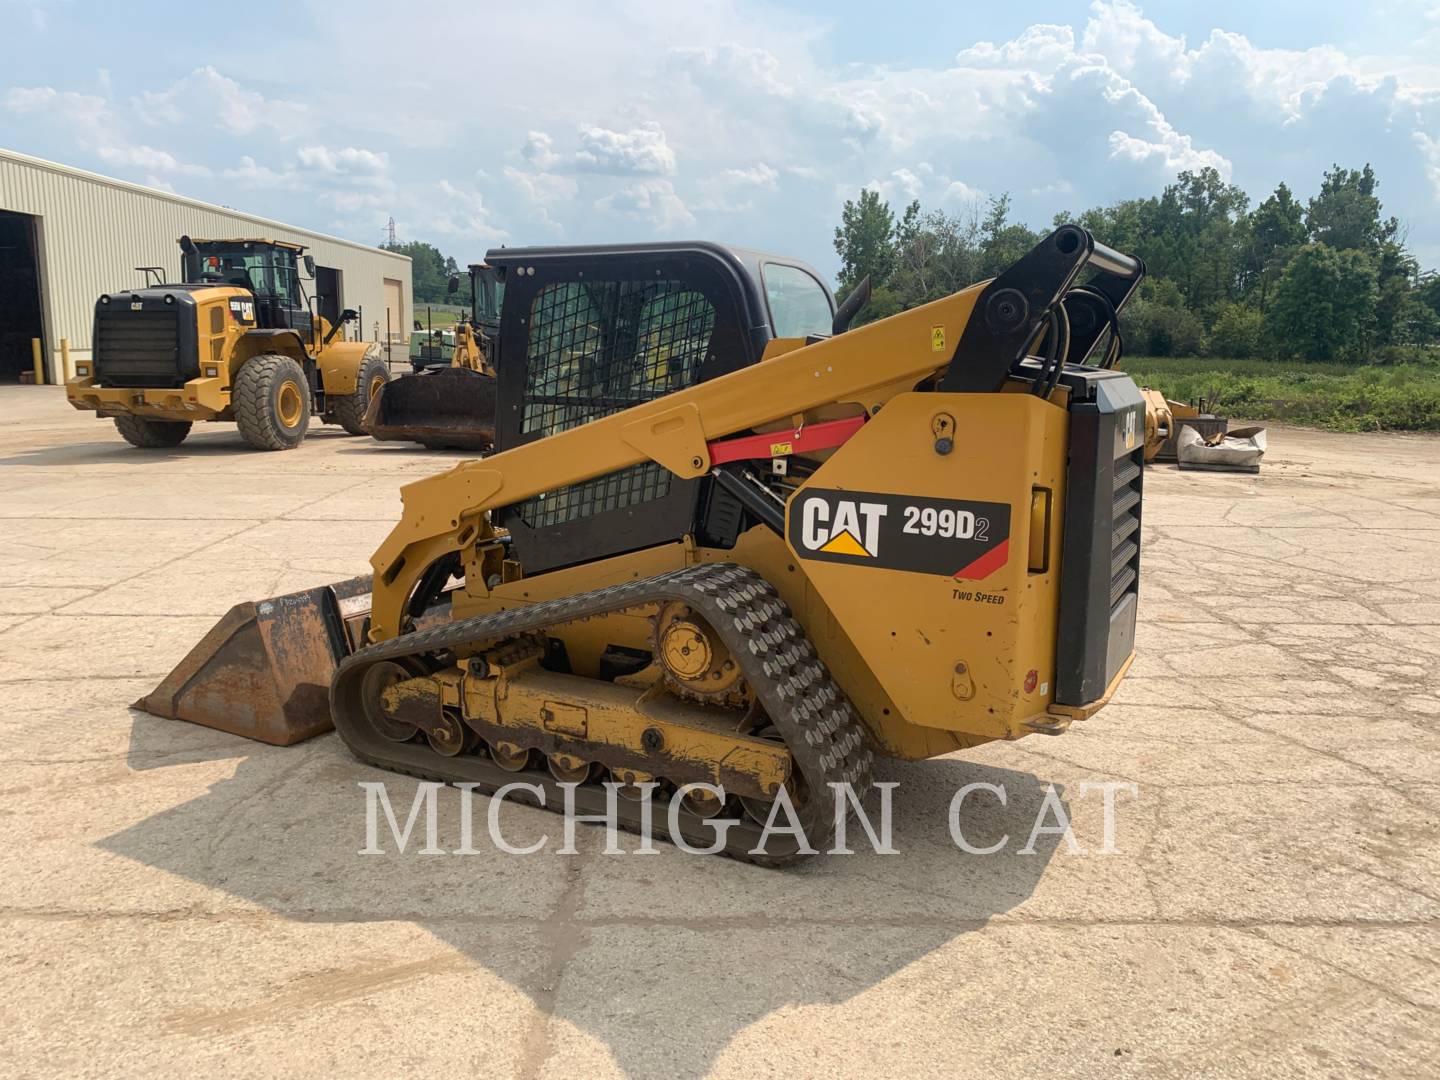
x=263, y=671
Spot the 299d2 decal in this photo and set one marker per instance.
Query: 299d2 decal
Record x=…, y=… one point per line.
x=954, y=537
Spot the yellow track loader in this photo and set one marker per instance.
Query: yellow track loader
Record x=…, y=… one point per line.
x=729, y=549
x=238, y=340
x=450, y=406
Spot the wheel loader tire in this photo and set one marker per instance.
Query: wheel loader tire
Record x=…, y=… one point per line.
x=152, y=434
x=369, y=380
x=272, y=403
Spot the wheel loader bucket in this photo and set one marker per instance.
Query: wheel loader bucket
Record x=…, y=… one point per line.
x=443, y=408
x=263, y=671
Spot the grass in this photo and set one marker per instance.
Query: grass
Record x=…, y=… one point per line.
x=437, y=316
x=1339, y=397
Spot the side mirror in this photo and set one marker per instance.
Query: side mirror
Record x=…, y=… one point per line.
x=452, y=286
x=348, y=314
x=310, y=266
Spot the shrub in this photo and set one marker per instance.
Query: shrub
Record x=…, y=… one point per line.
x=1238, y=330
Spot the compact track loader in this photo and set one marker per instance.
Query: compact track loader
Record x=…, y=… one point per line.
x=449, y=406
x=727, y=541
x=236, y=340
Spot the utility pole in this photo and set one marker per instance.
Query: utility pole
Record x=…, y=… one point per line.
x=390, y=233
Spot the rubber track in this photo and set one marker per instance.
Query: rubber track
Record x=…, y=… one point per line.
x=817, y=722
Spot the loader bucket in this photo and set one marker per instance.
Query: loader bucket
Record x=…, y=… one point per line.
x=263, y=671
x=443, y=408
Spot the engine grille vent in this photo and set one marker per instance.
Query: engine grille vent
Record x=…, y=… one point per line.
x=1125, y=528
x=138, y=348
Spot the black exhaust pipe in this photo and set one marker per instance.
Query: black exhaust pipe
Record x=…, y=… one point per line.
x=851, y=306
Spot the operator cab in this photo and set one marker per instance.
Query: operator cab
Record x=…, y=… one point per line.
x=269, y=269
x=588, y=331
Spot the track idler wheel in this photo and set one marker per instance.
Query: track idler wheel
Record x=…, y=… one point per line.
x=568, y=769
x=376, y=681
x=629, y=781
x=703, y=804
x=449, y=737
x=509, y=756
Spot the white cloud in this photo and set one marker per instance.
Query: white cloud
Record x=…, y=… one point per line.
x=351, y=160
x=1430, y=149
x=543, y=194
x=641, y=150
x=147, y=157
x=654, y=201
x=654, y=120
x=758, y=175
x=959, y=193
x=208, y=94
x=86, y=112
x=459, y=214
x=249, y=173
x=539, y=150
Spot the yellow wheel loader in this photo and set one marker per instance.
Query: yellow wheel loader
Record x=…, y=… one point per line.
x=449, y=406
x=729, y=549
x=237, y=340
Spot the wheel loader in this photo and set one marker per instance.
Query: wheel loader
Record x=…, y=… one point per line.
x=729, y=549
x=449, y=406
x=237, y=340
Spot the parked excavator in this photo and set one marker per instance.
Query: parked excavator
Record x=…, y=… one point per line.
x=729, y=547
x=449, y=406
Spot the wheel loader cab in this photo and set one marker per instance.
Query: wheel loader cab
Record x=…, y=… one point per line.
x=589, y=331
x=268, y=269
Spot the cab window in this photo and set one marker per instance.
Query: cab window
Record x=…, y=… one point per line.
x=799, y=306
x=247, y=266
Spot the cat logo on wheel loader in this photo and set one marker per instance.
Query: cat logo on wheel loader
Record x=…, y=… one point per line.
x=236, y=340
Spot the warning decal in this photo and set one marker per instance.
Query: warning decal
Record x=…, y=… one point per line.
x=950, y=537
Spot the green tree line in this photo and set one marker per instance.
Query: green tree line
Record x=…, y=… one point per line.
x=1329, y=279
x=430, y=271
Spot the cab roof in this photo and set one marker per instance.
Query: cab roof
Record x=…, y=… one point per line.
x=297, y=248
x=743, y=263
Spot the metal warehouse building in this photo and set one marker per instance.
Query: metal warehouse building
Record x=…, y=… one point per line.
x=66, y=236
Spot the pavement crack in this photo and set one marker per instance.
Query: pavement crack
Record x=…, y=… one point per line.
x=564, y=933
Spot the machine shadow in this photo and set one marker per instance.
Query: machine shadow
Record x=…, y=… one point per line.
x=215, y=443
x=662, y=959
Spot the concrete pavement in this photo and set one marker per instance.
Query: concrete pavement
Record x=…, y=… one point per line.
x=173, y=899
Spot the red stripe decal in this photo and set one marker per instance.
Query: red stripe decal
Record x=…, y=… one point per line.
x=986, y=564
x=820, y=436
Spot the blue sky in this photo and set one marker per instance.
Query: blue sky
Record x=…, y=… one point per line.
x=480, y=124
